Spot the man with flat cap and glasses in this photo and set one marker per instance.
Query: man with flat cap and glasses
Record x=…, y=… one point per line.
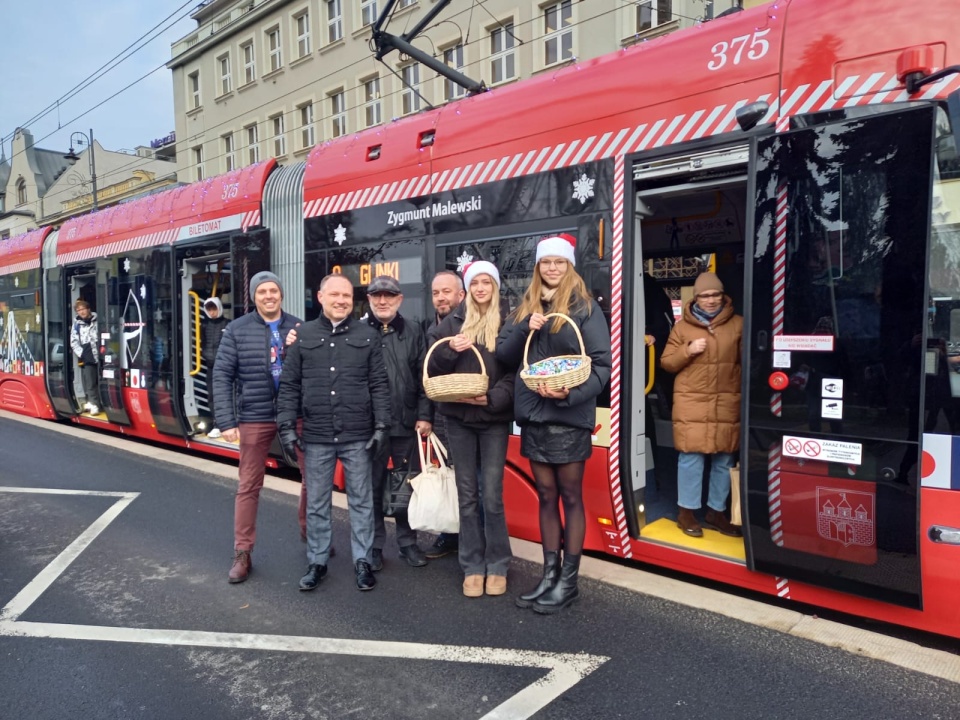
x=411, y=413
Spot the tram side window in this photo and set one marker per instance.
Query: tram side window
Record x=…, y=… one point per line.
x=942, y=362
x=21, y=329
x=400, y=259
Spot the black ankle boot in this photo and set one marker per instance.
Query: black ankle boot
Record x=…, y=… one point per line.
x=564, y=592
x=551, y=573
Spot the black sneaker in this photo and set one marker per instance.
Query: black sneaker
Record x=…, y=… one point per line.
x=315, y=573
x=413, y=555
x=444, y=545
x=365, y=578
x=377, y=564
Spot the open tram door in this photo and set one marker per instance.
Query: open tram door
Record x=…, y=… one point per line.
x=219, y=266
x=836, y=352
x=689, y=217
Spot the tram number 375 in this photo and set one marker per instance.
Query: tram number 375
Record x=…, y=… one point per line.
x=732, y=51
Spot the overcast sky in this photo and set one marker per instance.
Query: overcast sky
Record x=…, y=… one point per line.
x=51, y=46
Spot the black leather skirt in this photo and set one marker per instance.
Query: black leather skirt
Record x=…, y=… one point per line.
x=555, y=444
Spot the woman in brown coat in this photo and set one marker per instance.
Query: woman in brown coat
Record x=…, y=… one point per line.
x=704, y=352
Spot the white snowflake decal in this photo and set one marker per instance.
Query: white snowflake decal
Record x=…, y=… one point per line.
x=583, y=189
x=143, y=292
x=339, y=234
x=158, y=315
x=26, y=327
x=464, y=260
x=37, y=318
x=126, y=264
x=16, y=282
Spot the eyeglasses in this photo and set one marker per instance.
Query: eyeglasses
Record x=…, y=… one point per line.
x=710, y=296
x=553, y=263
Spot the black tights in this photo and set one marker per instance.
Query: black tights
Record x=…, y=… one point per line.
x=561, y=483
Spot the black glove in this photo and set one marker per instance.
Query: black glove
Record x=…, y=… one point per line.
x=289, y=439
x=378, y=443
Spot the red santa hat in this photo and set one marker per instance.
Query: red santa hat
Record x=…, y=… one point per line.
x=480, y=267
x=562, y=246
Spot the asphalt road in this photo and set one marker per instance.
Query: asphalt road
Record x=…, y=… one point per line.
x=117, y=606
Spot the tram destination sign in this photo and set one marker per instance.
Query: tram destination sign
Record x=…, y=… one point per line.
x=848, y=453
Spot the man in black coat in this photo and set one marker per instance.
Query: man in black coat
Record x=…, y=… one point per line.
x=404, y=347
x=335, y=377
x=246, y=377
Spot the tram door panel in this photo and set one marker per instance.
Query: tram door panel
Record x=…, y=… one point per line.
x=113, y=347
x=837, y=353
x=57, y=318
x=249, y=254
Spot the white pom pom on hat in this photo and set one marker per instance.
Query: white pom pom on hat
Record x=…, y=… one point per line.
x=562, y=246
x=480, y=267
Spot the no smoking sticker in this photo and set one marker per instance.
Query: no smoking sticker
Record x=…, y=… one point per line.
x=826, y=450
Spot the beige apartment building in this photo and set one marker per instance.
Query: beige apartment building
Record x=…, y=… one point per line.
x=273, y=78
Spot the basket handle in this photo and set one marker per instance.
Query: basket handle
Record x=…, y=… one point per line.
x=526, y=347
x=426, y=360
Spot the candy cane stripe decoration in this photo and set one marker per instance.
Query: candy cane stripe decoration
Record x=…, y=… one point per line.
x=779, y=277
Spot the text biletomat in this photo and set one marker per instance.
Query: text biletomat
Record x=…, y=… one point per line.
x=804, y=151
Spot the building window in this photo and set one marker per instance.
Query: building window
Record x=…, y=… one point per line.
x=198, y=163
x=21, y=191
x=338, y=114
x=406, y=3
x=303, y=34
x=229, y=160
x=453, y=57
x=502, y=53
x=371, y=102
x=226, y=79
x=249, y=63
x=651, y=13
x=558, y=32
x=409, y=96
x=307, y=137
x=253, y=145
x=334, y=20
x=4, y=234
x=279, y=139
x=193, y=87
x=368, y=12
x=273, y=44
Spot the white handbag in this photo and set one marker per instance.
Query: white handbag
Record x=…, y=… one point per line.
x=433, y=505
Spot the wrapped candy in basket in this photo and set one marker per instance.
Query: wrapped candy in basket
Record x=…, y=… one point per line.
x=560, y=371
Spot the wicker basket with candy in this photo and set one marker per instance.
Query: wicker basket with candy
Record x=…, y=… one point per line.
x=560, y=371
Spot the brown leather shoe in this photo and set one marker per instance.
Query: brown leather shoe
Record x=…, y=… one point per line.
x=242, y=564
x=687, y=522
x=718, y=521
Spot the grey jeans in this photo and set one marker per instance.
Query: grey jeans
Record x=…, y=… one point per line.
x=320, y=464
x=484, y=541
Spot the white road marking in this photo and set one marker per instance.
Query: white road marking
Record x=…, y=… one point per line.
x=564, y=670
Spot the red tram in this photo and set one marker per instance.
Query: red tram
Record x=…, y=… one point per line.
x=806, y=151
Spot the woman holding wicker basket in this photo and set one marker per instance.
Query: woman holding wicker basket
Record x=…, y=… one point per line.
x=559, y=338
x=478, y=426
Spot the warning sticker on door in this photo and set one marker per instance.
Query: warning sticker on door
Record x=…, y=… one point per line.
x=826, y=450
x=803, y=343
x=831, y=409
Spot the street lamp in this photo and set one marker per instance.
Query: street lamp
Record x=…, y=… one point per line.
x=84, y=139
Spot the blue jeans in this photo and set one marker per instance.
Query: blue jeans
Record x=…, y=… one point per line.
x=484, y=542
x=320, y=464
x=690, y=480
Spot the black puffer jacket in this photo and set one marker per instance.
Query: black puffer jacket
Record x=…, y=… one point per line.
x=243, y=388
x=579, y=408
x=404, y=346
x=337, y=377
x=444, y=360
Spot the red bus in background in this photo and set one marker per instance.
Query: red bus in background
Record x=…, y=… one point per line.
x=805, y=151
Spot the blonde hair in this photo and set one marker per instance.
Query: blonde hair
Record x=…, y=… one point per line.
x=482, y=326
x=571, y=297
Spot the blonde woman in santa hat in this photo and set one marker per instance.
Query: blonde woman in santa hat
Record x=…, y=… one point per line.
x=556, y=426
x=704, y=352
x=478, y=429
